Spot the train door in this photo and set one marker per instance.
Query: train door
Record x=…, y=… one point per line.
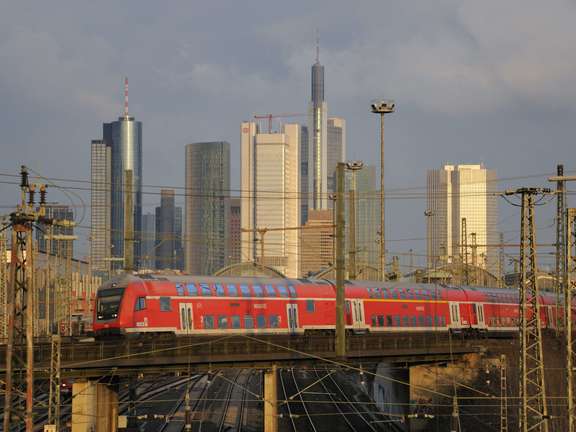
x=355, y=314
x=292, y=314
x=480, y=320
x=455, y=321
x=186, y=318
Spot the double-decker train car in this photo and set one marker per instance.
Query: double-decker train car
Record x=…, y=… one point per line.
x=198, y=305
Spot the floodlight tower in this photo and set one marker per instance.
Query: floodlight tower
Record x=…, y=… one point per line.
x=382, y=107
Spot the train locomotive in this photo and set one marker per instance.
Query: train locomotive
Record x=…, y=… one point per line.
x=196, y=305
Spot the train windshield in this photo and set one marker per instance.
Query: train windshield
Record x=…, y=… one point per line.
x=109, y=303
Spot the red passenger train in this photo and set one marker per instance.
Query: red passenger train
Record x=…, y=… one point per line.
x=198, y=305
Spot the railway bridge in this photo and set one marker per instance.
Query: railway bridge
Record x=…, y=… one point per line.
x=90, y=361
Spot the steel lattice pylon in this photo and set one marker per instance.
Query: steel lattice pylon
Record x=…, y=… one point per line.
x=54, y=395
x=503, y=395
x=18, y=399
x=533, y=414
x=560, y=240
x=569, y=292
x=3, y=287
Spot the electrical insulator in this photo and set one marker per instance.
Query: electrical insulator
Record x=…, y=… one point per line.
x=31, y=194
x=43, y=195
x=23, y=177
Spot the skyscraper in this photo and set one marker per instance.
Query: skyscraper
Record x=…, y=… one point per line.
x=207, y=195
x=148, y=240
x=100, y=204
x=336, y=149
x=457, y=192
x=124, y=140
x=55, y=246
x=317, y=148
x=178, y=245
x=367, y=218
x=304, y=202
x=165, y=245
x=317, y=245
x=234, y=233
x=270, y=190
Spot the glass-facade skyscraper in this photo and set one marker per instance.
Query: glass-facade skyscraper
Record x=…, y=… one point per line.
x=207, y=202
x=124, y=137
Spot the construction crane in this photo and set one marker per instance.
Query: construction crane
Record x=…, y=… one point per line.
x=269, y=117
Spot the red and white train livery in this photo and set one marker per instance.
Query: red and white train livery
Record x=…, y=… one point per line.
x=212, y=305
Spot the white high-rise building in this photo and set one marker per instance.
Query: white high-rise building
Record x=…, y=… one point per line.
x=101, y=201
x=457, y=192
x=270, y=183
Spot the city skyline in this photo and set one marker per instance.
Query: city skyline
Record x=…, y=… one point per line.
x=459, y=98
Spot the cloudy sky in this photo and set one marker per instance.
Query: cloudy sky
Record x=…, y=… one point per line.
x=474, y=81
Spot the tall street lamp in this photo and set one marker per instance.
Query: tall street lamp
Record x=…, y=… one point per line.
x=382, y=107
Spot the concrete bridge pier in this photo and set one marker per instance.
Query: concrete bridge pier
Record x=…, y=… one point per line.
x=94, y=407
x=271, y=400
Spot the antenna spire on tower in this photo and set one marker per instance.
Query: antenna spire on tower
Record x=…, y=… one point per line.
x=317, y=46
x=125, y=96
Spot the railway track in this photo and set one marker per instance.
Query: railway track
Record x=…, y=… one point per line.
x=296, y=410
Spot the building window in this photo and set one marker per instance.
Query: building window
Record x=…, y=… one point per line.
x=206, y=291
x=208, y=321
x=180, y=289
x=310, y=306
x=245, y=290
x=261, y=321
x=235, y=321
x=219, y=290
x=165, y=305
x=232, y=291
x=274, y=321
x=258, y=291
x=140, y=303
x=248, y=322
x=222, y=322
x=192, y=290
x=270, y=291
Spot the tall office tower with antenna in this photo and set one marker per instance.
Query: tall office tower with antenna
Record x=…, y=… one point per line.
x=318, y=140
x=124, y=140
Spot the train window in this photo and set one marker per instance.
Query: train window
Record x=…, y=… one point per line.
x=370, y=292
x=373, y=292
x=232, y=291
x=274, y=321
x=395, y=294
x=261, y=321
x=414, y=323
x=192, y=290
x=409, y=294
x=270, y=291
x=205, y=288
x=380, y=320
x=429, y=321
x=223, y=322
x=248, y=322
x=165, y=305
x=406, y=321
x=402, y=294
x=389, y=321
x=282, y=291
x=374, y=320
x=442, y=321
x=258, y=291
x=219, y=290
x=384, y=293
x=421, y=321
x=310, y=306
x=208, y=321
x=235, y=321
x=245, y=289
x=180, y=289
x=140, y=303
x=397, y=320
x=292, y=291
